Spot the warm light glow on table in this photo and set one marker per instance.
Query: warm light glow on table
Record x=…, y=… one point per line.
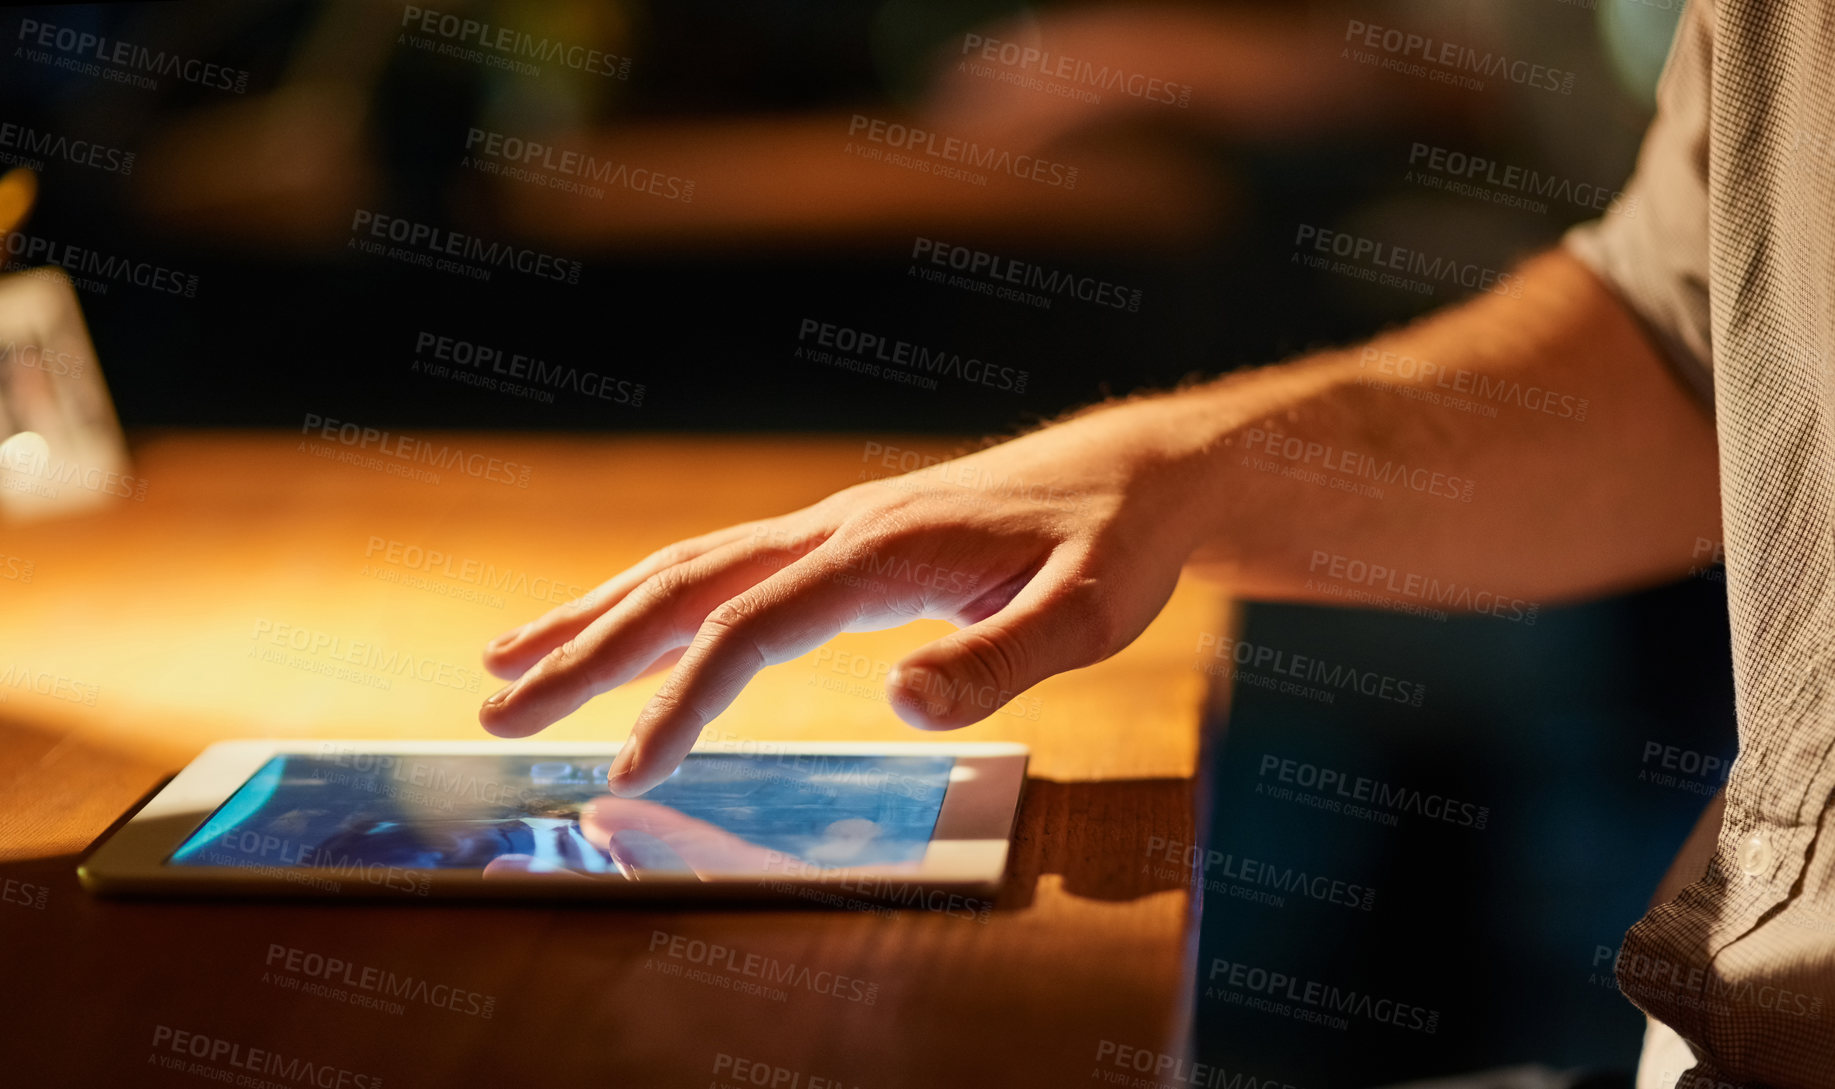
x=156, y=604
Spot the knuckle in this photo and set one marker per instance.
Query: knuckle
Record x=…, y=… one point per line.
x=879, y=528
x=565, y=660
x=585, y=603
x=728, y=618
x=573, y=608
x=670, y=555
x=661, y=589
x=842, y=503
x=733, y=625
x=767, y=535
x=880, y=545
x=666, y=704
x=997, y=661
x=784, y=545
x=683, y=708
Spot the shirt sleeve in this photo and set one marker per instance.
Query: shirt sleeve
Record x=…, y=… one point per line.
x=1652, y=246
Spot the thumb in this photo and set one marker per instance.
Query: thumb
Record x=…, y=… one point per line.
x=1063, y=619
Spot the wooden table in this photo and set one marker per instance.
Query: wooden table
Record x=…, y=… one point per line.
x=151, y=609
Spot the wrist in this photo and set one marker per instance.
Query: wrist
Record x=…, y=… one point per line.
x=1173, y=468
x=1192, y=444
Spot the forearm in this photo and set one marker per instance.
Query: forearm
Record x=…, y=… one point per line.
x=1435, y=452
x=1056, y=549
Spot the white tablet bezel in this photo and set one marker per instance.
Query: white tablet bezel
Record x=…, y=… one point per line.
x=967, y=851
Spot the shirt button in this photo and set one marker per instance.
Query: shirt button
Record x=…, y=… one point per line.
x=1755, y=855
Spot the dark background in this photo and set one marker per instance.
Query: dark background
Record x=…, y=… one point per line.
x=1545, y=724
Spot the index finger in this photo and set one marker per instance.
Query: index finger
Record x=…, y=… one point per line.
x=511, y=654
x=783, y=617
x=687, y=844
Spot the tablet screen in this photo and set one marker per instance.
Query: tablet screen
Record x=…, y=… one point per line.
x=719, y=813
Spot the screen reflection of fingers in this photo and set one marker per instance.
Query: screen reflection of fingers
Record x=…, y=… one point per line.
x=516, y=867
x=641, y=856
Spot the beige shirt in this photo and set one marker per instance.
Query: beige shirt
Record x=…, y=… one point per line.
x=1728, y=257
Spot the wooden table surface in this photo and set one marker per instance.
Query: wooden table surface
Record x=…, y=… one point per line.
x=136, y=641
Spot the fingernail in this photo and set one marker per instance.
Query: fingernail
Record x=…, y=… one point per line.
x=495, y=699
x=621, y=766
x=508, y=637
x=916, y=690
x=916, y=681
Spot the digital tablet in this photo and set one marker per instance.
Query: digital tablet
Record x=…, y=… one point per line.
x=820, y=824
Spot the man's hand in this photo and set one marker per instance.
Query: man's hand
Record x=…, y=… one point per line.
x=1051, y=552
x=1055, y=550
